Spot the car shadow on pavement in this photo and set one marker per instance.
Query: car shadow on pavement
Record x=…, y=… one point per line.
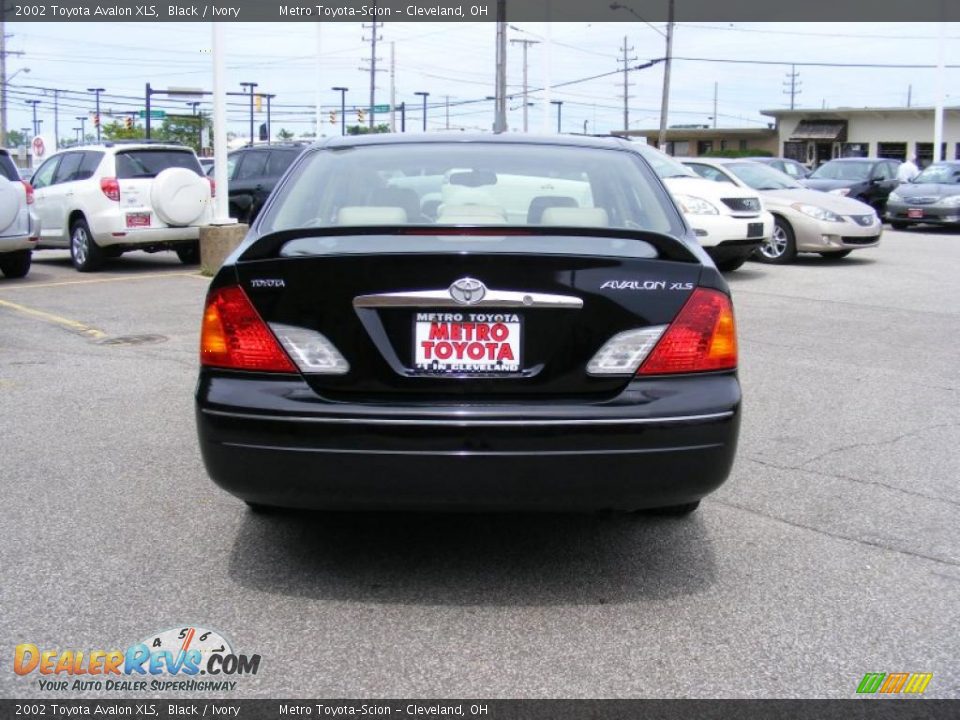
x=134, y=262
x=467, y=559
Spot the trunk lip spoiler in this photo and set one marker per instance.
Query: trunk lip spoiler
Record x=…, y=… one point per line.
x=267, y=246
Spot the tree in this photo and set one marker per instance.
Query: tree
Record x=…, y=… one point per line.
x=182, y=129
x=16, y=139
x=284, y=134
x=365, y=130
x=116, y=130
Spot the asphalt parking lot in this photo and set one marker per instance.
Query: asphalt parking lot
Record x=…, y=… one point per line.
x=832, y=551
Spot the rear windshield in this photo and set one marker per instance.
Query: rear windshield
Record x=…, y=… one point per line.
x=7, y=168
x=149, y=163
x=472, y=183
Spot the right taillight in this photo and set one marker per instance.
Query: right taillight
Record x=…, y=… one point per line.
x=29, y=189
x=703, y=337
x=234, y=335
x=111, y=188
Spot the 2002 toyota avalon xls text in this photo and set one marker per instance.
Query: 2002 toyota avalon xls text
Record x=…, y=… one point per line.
x=479, y=322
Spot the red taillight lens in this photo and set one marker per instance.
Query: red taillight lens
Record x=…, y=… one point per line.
x=703, y=337
x=235, y=336
x=213, y=187
x=29, y=188
x=111, y=188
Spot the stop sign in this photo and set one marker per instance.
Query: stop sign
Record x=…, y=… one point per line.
x=38, y=147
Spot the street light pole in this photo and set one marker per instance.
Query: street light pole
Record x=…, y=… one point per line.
x=96, y=92
x=424, y=95
x=559, y=104
x=195, y=104
x=343, y=108
x=251, y=86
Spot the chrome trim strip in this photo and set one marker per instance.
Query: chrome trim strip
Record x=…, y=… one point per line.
x=464, y=453
x=492, y=299
x=451, y=421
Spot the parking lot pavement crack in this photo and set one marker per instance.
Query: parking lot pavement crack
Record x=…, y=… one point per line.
x=849, y=478
x=837, y=536
x=878, y=443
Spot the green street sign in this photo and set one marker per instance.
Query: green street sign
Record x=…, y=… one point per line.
x=153, y=113
x=380, y=108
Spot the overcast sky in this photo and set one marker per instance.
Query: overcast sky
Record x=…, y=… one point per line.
x=457, y=60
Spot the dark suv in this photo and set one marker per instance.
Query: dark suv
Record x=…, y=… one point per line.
x=253, y=172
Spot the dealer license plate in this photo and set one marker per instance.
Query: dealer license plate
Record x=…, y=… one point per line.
x=915, y=213
x=467, y=343
x=138, y=220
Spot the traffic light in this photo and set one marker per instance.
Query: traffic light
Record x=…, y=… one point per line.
x=361, y=115
x=96, y=120
x=258, y=103
x=128, y=121
x=333, y=117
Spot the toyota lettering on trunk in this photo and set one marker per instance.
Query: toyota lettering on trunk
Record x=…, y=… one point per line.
x=467, y=343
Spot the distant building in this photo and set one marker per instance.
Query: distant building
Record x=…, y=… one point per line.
x=698, y=140
x=815, y=136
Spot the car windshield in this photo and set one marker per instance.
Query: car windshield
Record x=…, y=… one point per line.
x=471, y=183
x=149, y=163
x=842, y=171
x=762, y=177
x=945, y=173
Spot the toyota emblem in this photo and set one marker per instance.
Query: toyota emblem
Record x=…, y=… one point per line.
x=467, y=291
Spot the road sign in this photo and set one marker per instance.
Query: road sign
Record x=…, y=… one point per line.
x=39, y=148
x=153, y=113
x=380, y=108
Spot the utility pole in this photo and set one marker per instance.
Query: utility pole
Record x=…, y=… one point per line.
x=393, y=86
x=626, y=60
x=716, y=87
x=792, y=87
x=500, y=92
x=909, y=94
x=3, y=74
x=373, y=27
x=96, y=92
x=36, y=127
x=526, y=44
x=665, y=103
x=83, y=127
x=269, y=129
x=56, y=119
x=446, y=107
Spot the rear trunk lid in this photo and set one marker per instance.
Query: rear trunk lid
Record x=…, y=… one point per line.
x=136, y=173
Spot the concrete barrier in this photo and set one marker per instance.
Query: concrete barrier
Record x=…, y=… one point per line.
x=218, y=241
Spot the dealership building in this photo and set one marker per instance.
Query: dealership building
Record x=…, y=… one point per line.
x=815, y=136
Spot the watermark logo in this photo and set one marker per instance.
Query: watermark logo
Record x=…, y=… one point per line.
x=894, y=683
x=172, y=659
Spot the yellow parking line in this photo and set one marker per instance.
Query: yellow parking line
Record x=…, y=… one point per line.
x=141, y=276
x=72, y=325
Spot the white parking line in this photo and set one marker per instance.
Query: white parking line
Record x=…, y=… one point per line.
x=126, y=278
x=72, y=325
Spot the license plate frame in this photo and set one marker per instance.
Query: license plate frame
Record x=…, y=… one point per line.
x=138, y=220
x=915, y=213
x=453, y=366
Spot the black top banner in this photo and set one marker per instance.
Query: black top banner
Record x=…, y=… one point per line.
x=886, y=709
x=486, y=11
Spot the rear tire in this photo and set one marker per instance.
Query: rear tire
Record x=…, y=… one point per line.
x=781, y=248
x=189, y=254
x=731, y=264
x=15, y=264
x=258, y=509
x=836, y=255
x=86, y=255
x=675, y=510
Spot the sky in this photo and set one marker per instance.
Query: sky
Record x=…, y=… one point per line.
x=456, y=61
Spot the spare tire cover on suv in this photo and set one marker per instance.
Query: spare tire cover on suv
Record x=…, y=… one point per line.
x=11, y=199
x=179, y=196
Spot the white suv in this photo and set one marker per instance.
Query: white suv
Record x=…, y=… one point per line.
x=103, y=200
x=18, y=220
x=730, y=222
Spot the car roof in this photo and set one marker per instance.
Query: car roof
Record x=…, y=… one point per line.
x=861, y=159
x=588, y=141
x=121, y=145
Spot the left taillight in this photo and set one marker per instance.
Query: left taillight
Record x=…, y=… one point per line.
x=234, y=336
x=29, y=188
x=213, y=187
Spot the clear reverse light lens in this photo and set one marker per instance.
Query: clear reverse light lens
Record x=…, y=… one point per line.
x=624, y=352
x=310, y=350
x=695, y=206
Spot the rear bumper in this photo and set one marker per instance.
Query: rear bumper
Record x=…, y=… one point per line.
x=661, y=442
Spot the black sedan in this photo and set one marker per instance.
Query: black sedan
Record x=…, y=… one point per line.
x=469, y=323
x=868, y=180
x=931, y=197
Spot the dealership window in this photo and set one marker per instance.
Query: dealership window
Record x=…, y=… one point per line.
x=743, y=145
x=723, y=144
x=704, y=147
x=956, y=152
x=892, y=151
x=794, y=151
x=855, y=150
x=925, y=153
